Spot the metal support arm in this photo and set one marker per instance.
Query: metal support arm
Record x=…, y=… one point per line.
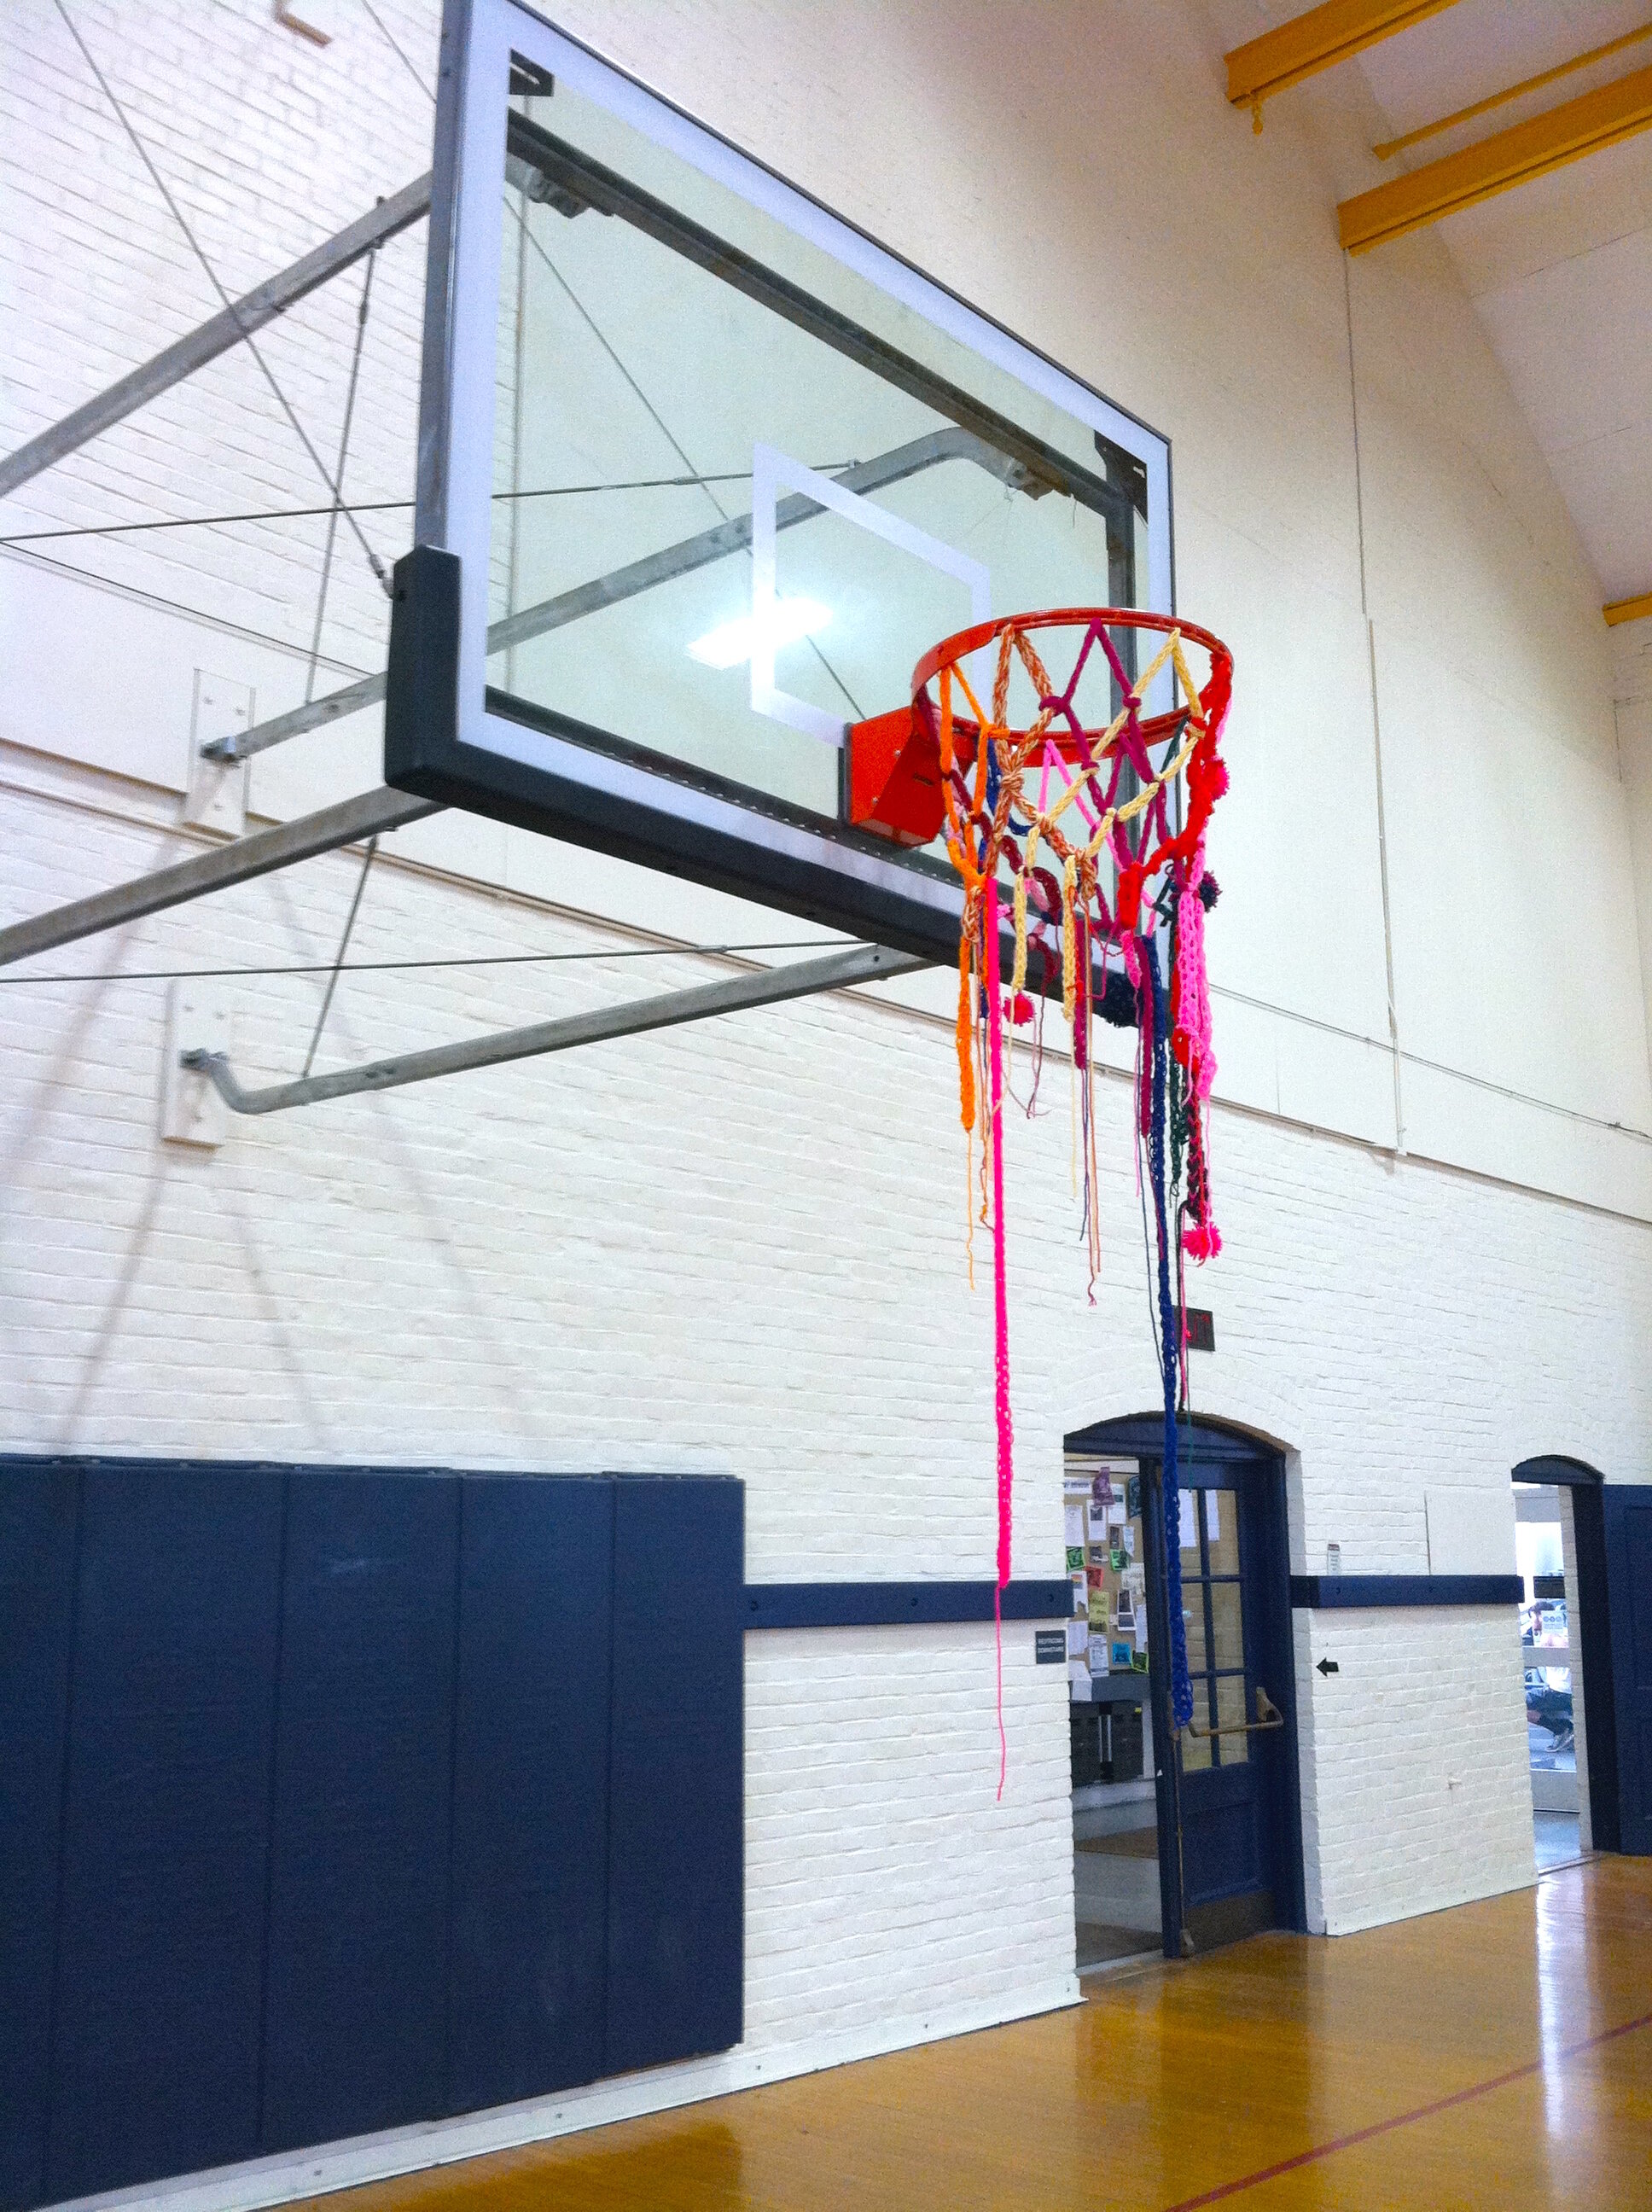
x=856, y=964
x=368, y=816
x=210, y=339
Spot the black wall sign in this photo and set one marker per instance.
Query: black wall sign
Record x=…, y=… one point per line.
x=1050, y=1646
x=1201, y=1328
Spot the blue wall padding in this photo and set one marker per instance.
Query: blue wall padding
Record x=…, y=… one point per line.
x=38, y=1515
x=1628, y=1516
x=676, y=1852
x=165, y=1825
x=530, y=1874
x=346, y=1798
x=354, y=2028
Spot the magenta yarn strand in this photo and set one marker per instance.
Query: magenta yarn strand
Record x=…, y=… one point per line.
x=1000, y=1299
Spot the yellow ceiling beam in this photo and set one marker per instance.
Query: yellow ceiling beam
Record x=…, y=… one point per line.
x=1622, y=610
x=1567, y=133
x=1293, y=52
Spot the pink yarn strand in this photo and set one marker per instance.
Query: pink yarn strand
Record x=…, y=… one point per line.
x=1000, y=1300
x=1193, y=1010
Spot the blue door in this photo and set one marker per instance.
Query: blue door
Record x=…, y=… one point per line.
x=1229, y=1807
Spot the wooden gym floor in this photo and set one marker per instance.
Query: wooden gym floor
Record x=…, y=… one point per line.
x=1497, y=2055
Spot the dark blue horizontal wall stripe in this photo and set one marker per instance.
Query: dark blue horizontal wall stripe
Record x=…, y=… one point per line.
x=890, y=1604
x=1350, y=1592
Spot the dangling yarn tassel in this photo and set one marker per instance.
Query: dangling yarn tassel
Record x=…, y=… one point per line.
x=1000, y=1304
x=1158, y=1086
x=1018, y=973
x=966, y=1034
x=1069, y=947
x=1201, y=1241
x=1193, y=997
x=1092, y=1176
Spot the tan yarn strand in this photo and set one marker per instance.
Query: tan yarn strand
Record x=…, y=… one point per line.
x=1069, y=938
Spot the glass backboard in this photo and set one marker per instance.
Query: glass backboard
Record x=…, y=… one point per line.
x=711, y=470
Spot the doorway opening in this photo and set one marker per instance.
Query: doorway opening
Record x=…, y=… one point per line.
x=1560, y=1554
x=1117, y=1910
x=1181, y=1839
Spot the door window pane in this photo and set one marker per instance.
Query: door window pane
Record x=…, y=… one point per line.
x=1196, y=1749
x=1193, y=1609
x=1189, y=1529
x=1228, y=1619
x=1230, y=1713
x=1222, y=1531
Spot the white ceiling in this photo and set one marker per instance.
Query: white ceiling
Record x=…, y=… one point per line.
x=1560, y=270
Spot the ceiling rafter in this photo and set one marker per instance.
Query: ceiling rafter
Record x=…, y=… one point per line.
x=1390, y=147
x=1526, y=150
x=1291, y=53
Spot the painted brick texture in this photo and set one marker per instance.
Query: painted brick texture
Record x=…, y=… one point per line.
x=740, y=1247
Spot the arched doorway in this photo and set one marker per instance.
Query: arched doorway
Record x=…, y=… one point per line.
x=1226, y=1796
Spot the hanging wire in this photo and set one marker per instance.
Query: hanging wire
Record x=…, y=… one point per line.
x=383, y=29
x=397, y=967
x=339, y=480
x=230, y=308
x=367, y=860
x=392, y=505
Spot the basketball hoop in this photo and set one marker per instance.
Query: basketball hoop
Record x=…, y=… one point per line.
x=1097, y=834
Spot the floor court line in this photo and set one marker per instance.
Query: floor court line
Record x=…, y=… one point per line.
x=1406, y=2119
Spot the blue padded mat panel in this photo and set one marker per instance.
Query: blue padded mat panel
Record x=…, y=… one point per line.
x=355, y=2018
x=676, y=1771
x=1628, y=1517
x=37, y=1509
x=531, y=1787
x=156, y=2047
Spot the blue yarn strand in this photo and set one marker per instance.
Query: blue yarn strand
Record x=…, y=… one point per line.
x=1182, y=1690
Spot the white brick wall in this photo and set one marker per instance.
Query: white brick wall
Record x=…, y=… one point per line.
x=741, y=1247
x=736, y=1247
x=267, y=145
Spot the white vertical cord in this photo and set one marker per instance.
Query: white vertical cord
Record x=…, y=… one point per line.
x=1394, y=1054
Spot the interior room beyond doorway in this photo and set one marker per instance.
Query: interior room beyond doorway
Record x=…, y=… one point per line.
x=1551, y=1637
x=1117, y=1909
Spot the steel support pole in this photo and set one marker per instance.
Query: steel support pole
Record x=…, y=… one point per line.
x=856, y=964
x=368, y=816
x=249, y=315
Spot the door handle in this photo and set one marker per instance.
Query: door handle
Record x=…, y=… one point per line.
x=1268, y=1716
